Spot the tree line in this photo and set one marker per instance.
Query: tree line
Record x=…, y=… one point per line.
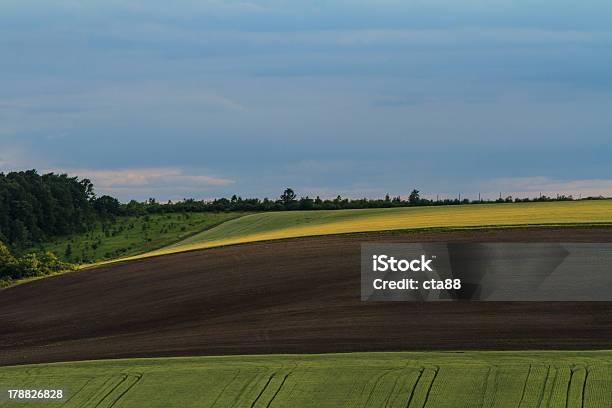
x=34, y=207
x=289, y=201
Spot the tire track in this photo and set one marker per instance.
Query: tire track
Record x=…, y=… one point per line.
x=133, y=383
x=424, y=386
x=278, y=390
x=520, y=403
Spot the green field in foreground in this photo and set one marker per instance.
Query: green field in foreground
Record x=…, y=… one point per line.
x=454, y=380
x=290, y=224
x=127, y=236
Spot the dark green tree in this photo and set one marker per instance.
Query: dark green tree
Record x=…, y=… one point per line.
x=288, y=196
x=414, y=197
x=68, y=251
x=107, y=205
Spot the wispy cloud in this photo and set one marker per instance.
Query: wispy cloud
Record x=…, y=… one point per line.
x=12, y=158
x=468, y=37
x=52, y=113
x=533, y=186
x=148, y=182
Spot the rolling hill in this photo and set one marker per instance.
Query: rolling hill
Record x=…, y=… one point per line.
x=293, y=224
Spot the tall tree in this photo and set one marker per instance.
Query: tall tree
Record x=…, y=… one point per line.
x=414, y=197
x=288, y=196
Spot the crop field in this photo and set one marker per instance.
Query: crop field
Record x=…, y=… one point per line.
x=286, y=297
x=278, y=225
x=454, y=380
x=132, y=235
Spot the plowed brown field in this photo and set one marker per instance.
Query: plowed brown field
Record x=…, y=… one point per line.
x=288, y=296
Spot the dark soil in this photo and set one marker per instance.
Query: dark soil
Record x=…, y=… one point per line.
x=289, y=296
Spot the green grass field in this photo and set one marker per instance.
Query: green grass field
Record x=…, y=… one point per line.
x=291, y=224
x=132, y=235
x=453, y=380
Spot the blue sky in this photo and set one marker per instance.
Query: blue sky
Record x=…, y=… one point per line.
x=362, y=98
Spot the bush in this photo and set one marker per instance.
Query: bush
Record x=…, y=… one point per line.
x=29, y=265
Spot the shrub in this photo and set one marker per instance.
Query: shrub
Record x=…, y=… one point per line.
x=29, y=265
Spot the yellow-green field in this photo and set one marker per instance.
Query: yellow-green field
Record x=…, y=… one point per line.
x=292, y=224
x=407, y=380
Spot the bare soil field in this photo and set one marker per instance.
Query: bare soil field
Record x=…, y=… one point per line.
x=287, y=296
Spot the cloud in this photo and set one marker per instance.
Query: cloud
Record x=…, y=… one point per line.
x=147, y=182
x=12, y=158
x=533, y=186
x=200, y=42
x=61, y=114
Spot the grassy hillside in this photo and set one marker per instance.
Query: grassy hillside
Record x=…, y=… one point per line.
x=133, y=235
x=277, y=225
x=471, y=379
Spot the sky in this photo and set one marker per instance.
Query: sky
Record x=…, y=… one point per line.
x=359, y=98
